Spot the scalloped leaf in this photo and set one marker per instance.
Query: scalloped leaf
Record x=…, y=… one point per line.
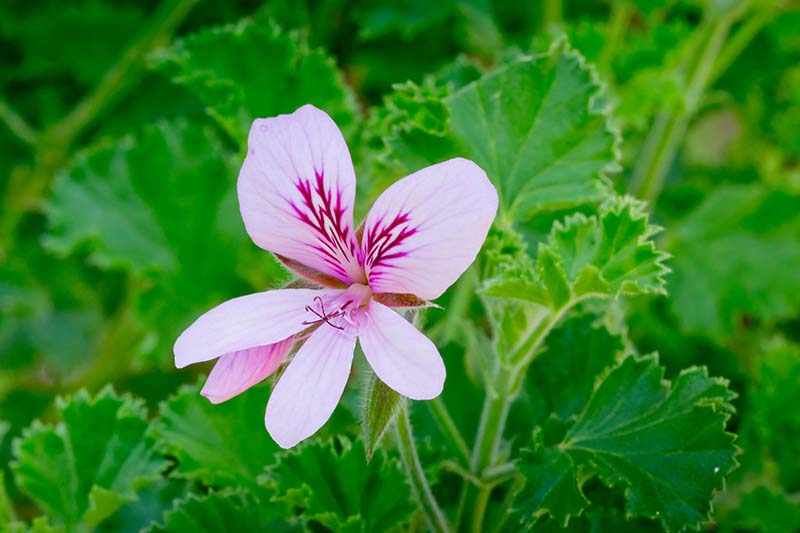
x=602, y=255
x=160, y=204
x=663, y=442
x=335, y=487
x=537, y=126
x=221, y=510
x=87, y=466
x=221, y=445
x=247, y=70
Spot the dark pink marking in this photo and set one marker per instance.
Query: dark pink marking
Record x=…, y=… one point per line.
x=380, y=240
x=326, y=218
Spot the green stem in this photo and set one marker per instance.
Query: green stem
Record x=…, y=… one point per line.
x=25, y=189
x=739, y=40
x=667, y=132
x=16, y=124
x=552, y=13
x=617, y=27
x=500, y=395
x=448, y=427
x=129, y=65
x=416, y=476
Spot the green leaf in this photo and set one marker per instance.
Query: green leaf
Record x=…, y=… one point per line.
x=736, y=258
x=561, y=379
x=764, y=510
x=335, y=487
x=248, y=70
x=162, y=205
x=84, y=468
x=771, y=424
x=142, y=203
x=663, y=442
x=602, y=255
x=221, y=445
x=223, y=510
x=539, y=129
x=536, y=125
x=379, y=407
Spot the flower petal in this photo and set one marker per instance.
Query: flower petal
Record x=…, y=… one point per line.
x=236, y=372
x=248, y=321
x=312, y=385
x=426, y=229
x=296, y=192
x=401, y=356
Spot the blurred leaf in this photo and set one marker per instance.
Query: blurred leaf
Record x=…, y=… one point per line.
x=222, y=445
x=248, y=70
x=663, y=443
x=772, y=421
x=735, y=258
x=380, y=405
x=607, y=254
x=766, y=511
x=92, y=462
x=161, y=205
x=336, y=487
x=222, y=511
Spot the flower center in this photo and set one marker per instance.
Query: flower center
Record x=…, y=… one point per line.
x=344, y=310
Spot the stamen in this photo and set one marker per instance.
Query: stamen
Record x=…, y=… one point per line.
x=324, y=317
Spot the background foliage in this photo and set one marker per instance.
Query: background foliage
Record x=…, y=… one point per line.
x=122, y=126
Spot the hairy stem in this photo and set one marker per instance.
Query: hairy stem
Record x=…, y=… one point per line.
x=500, y=395
x=416, y=476
x=667, y=132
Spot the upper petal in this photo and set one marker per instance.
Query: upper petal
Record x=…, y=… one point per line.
x=401, y=356
x=426, y=229
x=236, y=372
x=312, y=385
x=253, y=320
x=296, y=192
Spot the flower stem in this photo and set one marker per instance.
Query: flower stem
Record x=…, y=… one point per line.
x=500, y=395
x=666, y=134
x=16, y=123
x=416, y=476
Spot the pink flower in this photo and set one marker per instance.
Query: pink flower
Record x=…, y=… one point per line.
x=296, y=192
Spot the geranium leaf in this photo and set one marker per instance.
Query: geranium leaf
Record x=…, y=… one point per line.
x=248, y=70
x=88, y=465
x=536, y=125
x=222, y=510
x=602, y=255
x=335, y=486
x=663, y=443
x=221, y=445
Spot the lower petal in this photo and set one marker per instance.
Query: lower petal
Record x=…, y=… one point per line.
x=401, y=356
x=236, y=372
x=309, y=390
